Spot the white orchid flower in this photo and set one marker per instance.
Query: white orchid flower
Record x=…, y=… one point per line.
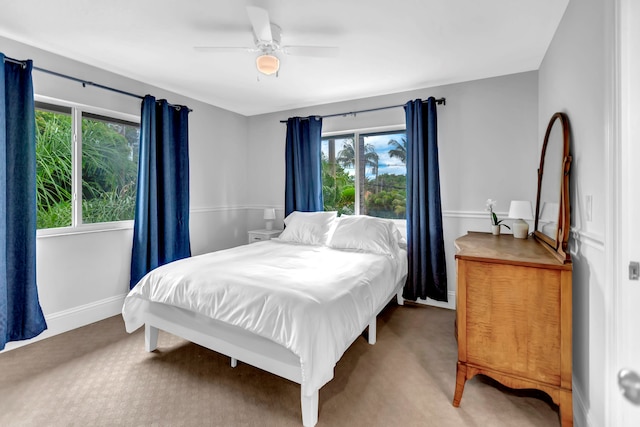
x=494, y=218
x=490, y=203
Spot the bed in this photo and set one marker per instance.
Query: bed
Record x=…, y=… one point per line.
x=291, y=306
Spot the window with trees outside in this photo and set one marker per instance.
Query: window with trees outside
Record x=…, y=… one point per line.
x=365, y=173
x=86, y=166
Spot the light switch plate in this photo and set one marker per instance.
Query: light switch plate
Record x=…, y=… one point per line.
x=634, y=270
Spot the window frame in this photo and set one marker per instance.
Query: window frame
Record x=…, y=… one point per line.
x=77, y=109
x=357, y=134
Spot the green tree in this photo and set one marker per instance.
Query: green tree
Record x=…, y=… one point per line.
x=106, y=162
x=390, y=201
x=346, y=158
x=109, y=172
x=338, y=190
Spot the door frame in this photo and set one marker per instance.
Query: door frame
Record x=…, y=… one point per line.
x=616, y=242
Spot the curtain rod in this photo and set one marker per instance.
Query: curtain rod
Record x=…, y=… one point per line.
x=439, y=101
x=84, y=82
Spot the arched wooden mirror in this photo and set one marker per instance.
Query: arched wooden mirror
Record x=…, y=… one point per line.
x=552, y=220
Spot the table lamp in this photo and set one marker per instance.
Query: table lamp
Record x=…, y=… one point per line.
x=269, y=216
x=520, y=210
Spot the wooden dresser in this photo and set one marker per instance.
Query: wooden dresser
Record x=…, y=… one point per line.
x=514, y=316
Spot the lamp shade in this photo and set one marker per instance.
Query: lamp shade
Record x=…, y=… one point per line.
x=520, y=209
x=268, y=64
x=269, y=213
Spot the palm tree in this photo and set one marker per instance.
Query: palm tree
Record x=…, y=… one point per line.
x=347, y=156
x=399, y=150
x=373, y=159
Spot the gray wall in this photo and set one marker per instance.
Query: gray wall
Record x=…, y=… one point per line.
x=487, y=149
x=574, y=79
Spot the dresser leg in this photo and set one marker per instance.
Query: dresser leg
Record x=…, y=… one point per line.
x=461, y=378
x=566, y=408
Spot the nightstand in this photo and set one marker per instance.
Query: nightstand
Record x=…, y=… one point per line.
x=260, y=235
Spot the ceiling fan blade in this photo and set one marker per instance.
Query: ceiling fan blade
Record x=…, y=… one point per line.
x=316, y=51
x=259, y=18
x=225, y=49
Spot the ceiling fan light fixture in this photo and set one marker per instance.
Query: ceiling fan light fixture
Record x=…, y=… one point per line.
x=268, y=64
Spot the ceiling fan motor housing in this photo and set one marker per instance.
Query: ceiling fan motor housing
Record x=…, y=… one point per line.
x=269, y=46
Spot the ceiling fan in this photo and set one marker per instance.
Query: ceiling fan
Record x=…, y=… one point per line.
x=267, y=39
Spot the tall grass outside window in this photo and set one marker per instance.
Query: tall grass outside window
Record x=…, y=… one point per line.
x=86, y=167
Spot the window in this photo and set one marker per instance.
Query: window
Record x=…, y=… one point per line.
x=367, y=177
x=87, y=179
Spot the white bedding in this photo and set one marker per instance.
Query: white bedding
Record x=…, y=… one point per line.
x=313, y=300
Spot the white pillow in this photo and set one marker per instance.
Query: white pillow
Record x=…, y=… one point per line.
x=367, y=234
x=309, y=228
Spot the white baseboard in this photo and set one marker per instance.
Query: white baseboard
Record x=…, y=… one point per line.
x=451, y=304
x=64, y=321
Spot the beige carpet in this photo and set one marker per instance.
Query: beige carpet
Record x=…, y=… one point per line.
x=99, y=375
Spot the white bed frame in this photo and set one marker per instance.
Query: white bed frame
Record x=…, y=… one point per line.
x=242, y=345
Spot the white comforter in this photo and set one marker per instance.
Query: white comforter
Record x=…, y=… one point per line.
x=312, y=300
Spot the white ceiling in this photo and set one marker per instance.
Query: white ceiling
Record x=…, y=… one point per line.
x=386, y=46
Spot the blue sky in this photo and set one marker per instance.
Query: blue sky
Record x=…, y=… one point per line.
x=386, y=163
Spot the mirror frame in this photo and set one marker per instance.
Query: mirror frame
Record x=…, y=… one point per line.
x=558, y=245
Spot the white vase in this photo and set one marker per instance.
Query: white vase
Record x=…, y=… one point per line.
x=495, y=230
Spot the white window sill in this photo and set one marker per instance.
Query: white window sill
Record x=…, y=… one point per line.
x=85, y=229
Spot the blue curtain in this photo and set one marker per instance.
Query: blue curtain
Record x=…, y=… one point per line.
x=303, y=181
x=20, y=313
x=161, y=224
x=427, y=275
